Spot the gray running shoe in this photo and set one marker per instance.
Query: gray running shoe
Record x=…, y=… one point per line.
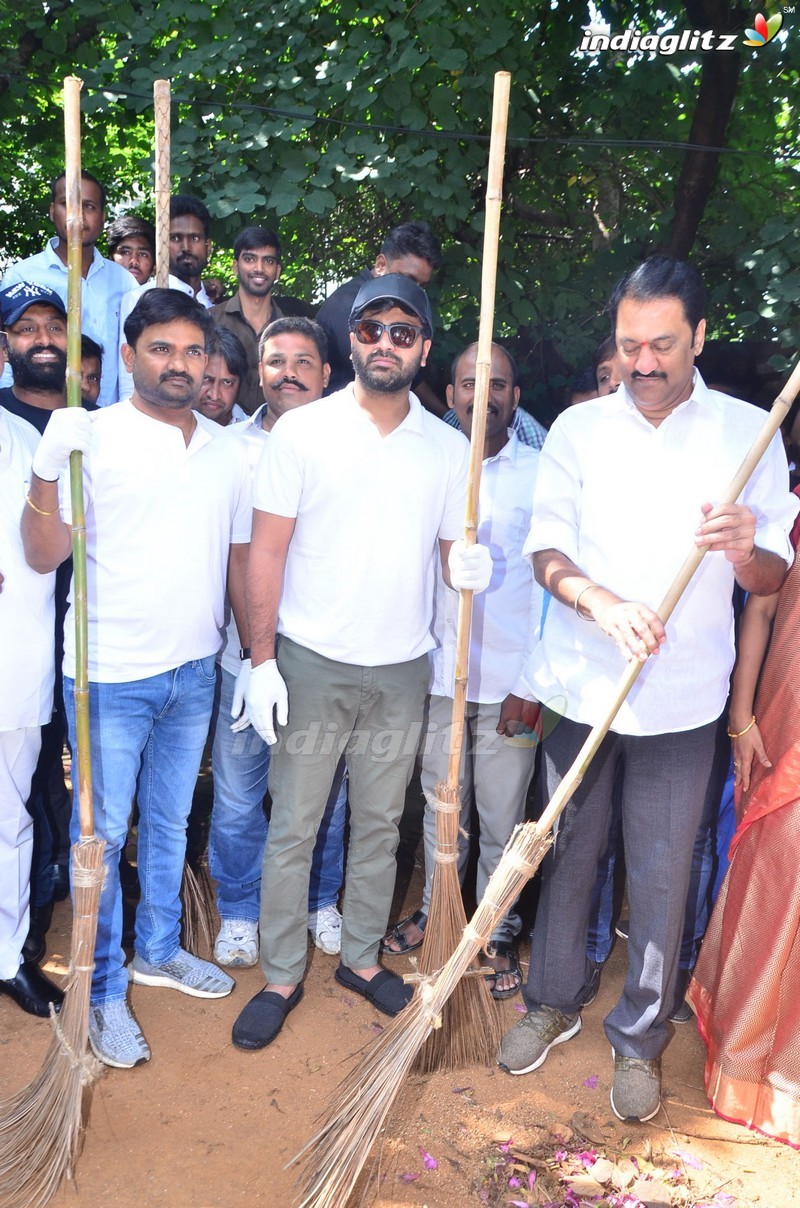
x=636, y=1093
x=184, y=972
x=115, y=1036
x=525, y=1047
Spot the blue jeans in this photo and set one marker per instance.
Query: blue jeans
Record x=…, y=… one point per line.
x=238, y=834
x=147, y=739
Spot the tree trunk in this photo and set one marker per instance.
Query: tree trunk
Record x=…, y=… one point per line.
x=719, y=77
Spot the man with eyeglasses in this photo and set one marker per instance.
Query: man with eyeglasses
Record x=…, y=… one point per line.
x=626, y=483
x=257, y=264
x=355, y=496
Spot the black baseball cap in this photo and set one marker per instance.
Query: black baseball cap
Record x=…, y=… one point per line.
x=15, y=300
x=394, y=287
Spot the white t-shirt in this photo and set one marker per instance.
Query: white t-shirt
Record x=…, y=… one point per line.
x=622, y=499
x=27, y=615
x=505, y=616
x=370, y=510
x=160, y=518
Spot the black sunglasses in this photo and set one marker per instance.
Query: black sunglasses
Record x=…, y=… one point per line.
x=402, y=335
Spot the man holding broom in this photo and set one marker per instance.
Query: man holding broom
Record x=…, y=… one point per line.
x=168, y=521
x=354, y=497
x=624, y=484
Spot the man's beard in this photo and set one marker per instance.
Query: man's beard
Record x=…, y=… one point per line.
x=33, y=375
x=384, y=381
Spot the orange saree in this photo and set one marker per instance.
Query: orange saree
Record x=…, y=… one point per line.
x=746, y=986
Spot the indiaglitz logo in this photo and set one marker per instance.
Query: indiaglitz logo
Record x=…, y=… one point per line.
x=599, y=37
x=764, y=31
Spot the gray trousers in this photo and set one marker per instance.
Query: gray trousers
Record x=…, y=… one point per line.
x=663, y=781
x=496, y=770
x=374, y=715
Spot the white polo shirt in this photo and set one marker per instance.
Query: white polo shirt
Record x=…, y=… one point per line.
x=160, y=518
x=370, y=510
x=102, y=294
x=505, y=616
x=27, y=617
x=622, y=499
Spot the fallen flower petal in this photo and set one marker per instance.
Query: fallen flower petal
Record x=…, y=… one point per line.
x=520, y=1009
x=688, y=1158
x=408, y=1178
x=428, y=1162
x=514, y=1182
x=532, y=1180
x=591, y=1082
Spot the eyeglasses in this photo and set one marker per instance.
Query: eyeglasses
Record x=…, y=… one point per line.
x=402, y=335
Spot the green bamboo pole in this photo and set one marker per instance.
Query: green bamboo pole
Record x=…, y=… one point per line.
x=72, y=163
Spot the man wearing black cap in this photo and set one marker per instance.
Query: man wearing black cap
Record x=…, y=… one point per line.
x=354, y=496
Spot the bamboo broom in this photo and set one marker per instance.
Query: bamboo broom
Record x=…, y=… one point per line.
x=40, y=1126
x=333, y=1159
x=473, y=1023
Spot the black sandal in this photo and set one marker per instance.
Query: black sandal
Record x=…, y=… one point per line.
x=419, y=918
x=507, y=949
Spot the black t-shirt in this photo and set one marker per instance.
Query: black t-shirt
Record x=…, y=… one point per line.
x=38, y=416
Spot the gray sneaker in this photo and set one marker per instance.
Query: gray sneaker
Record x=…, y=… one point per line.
x=636, y=1093
x=115, y=1036
x=184, y=972
x=525, y=1047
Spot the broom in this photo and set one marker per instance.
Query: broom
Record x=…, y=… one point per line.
x=333, y=1159
x=40, y=1126
x=199, y=921
x=473, y=1023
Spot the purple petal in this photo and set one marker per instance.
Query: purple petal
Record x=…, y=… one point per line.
x=688, y=1158
x=514, y=1182
x=560, y=1155
x=428, y=1162
x=377, y=1028
x=591, y=1082
x=408, y=1178
x=519, y=1007
x=519, y=1203
x=532, y=1180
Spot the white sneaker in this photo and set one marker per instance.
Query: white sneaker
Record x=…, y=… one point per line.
x=237, y=943
x=326, y=929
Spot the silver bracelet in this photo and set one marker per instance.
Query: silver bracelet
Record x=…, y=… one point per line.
x=578, y=600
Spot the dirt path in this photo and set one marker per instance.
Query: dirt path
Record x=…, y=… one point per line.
x=206, y=1126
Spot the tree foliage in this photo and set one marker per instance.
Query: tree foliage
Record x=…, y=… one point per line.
x=336, y=119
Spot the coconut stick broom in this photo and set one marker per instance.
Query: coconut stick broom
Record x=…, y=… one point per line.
x=473, y=1025
x=40, y=1126
x=333, y=1159
x=197, y=893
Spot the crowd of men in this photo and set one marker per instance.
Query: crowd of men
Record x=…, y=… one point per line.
x=274, y=548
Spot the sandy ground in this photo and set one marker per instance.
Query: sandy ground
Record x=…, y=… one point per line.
x=203, y=1125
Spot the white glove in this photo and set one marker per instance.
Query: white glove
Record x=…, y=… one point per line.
x=241, y=719
x=470, y=566
x=67, y=429
x=266, y=697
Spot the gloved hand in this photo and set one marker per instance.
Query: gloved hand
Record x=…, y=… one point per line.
x=68, y=428
x=267, y=697
x=470, y=566
x=241, y=719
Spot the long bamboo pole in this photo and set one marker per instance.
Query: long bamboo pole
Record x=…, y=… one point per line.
x=72, y=164
x=491, y=242
x=161, y=107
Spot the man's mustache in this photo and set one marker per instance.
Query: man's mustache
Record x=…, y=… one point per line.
x=287, y=381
